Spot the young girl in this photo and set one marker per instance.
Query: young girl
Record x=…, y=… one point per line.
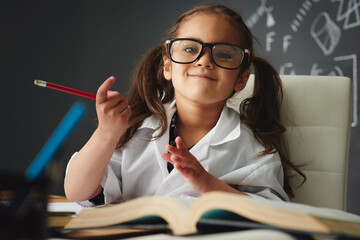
x=174, y=135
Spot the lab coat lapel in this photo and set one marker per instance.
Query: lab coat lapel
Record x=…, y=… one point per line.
x=201, y=149
x=164, y=139
x=226, y=129
x=160, y=149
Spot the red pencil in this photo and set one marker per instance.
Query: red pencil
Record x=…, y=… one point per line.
x=42, y=83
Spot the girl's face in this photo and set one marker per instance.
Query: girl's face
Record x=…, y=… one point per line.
x=203, y=82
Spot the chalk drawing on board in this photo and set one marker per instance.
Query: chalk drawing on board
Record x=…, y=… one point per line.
x=285, y=67
x=316, y=71
x=336, y=72
x=351, y=15
x=259, y=12
x=270, y=21
x=325, y=33
x=301, y=14
x=269, y=40
x=286, y=43
x=353, y=58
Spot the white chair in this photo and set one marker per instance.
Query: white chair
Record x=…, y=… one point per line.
x=317, y=112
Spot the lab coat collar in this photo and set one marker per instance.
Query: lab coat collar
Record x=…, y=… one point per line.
x=226, y=129
x=152, y=122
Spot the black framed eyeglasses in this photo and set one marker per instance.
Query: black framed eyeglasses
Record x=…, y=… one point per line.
x=224, y=55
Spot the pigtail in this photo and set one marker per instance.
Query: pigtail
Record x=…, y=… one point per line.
x=261, y=113
x=148, y=93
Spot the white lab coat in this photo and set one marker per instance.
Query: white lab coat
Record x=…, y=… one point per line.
x=228, y=152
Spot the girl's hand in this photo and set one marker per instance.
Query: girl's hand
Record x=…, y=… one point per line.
x=112, y=110
x=199, y=179
x=188, y=166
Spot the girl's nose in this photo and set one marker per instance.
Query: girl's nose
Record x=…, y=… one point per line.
x=205, y=59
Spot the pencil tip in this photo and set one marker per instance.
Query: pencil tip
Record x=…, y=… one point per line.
x=40, y=83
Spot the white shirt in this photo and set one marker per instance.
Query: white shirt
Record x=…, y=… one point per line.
x=228, y=152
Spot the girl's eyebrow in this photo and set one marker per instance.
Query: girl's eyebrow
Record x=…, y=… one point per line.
x=198, y=39
x=195, y=38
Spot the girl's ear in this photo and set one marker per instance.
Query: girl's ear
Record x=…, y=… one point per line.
x=167, y=68
x=243, y=78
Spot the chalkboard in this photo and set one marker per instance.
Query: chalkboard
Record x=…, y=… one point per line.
x=314, y=37
x=80, y=43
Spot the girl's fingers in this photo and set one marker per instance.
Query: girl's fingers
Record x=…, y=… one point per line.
x=180, y=143
x=102, y=92
x=126, y=112
x=179, y=167
x=180, y=155
x=176, y=151
x=173, y=159
x=167, y=157
x=115, y=99
x=184, y=162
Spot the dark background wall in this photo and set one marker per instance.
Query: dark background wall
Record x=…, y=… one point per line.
x=80, y=43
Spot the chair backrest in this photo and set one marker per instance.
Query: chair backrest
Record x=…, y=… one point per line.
x=317, y=113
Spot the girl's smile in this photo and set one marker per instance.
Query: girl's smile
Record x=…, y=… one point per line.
x=202, y=76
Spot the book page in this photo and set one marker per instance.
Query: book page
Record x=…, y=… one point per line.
x=172, y=210
x=184, y=203
x=316, y=211
x=283, y=215
x=62, y=207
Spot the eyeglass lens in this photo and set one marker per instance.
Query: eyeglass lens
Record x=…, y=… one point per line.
x=224, y=55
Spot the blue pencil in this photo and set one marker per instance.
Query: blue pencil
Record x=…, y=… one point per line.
x=48, y=151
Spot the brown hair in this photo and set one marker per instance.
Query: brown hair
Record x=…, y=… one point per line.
x=261, y=112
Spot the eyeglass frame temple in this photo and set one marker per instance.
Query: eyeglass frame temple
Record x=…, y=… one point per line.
x=248, y=53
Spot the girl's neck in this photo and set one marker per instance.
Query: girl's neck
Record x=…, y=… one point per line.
x=195, y=121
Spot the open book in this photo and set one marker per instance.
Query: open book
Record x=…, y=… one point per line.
x=184, y=216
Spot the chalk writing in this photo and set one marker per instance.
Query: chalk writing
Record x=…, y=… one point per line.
x=286, y=42
x=285, y=67
x=301, y=14
x=335, y=71
x=353, y=58
x=326, y=29
x=351, y=15
x=269, y=40
x=260, y=11
x=325, y=33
